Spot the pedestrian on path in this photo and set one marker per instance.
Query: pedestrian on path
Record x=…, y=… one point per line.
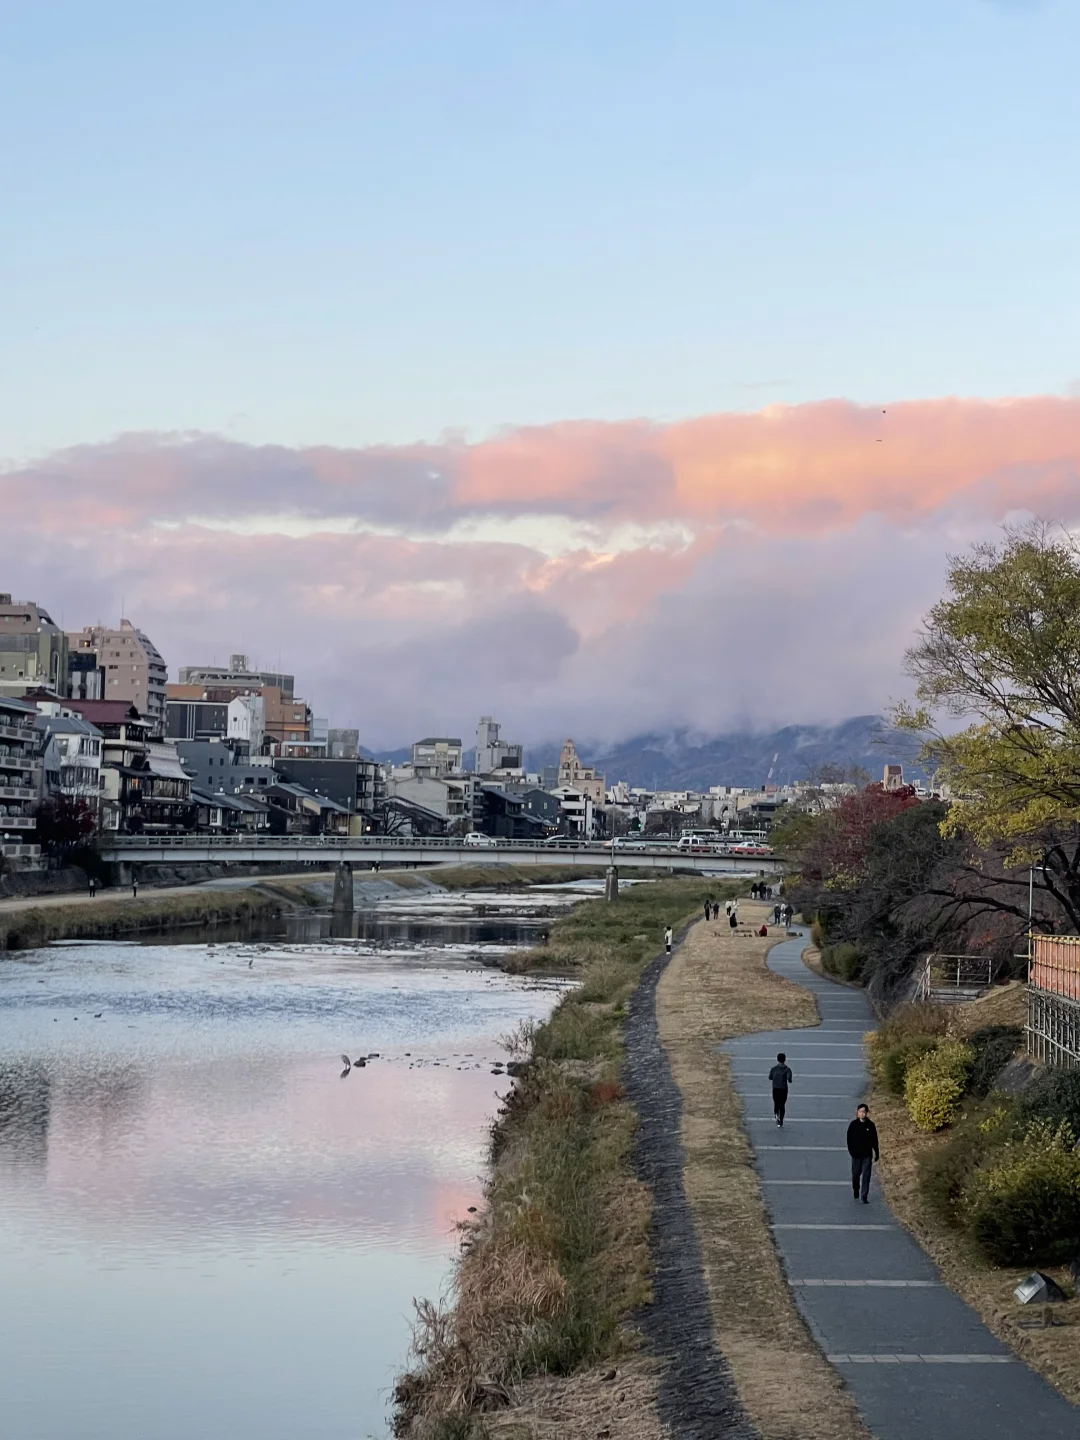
x=668, y=937
x=92, y=882
x=780, y=1078
x=776, y=910
x=733, y=920
x=134, y=887
x=862, y=1144
x=727, y=906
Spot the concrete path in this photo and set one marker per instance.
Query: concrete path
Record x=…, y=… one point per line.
x=919, y=1361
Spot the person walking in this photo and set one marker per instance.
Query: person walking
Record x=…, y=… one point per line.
x=708, y=908
x=92, y=882
x=727, y=906
x=780, y=1078
x=733, y=921
x=862, y=1144
x=134, y=887
x=668, y=937
x=776, y=913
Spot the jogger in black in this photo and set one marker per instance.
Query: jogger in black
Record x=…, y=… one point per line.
x=862, y=1144
x=780, y=1077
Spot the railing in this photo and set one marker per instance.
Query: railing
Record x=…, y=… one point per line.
x=16, y=792
x=955, y=977
x=19, y=761
x=18, y=851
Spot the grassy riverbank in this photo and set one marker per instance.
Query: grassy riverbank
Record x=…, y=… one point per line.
x=108, y=917
x=552, y=1270
x=495, y=877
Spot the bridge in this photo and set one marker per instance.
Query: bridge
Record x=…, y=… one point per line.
x=367, y=851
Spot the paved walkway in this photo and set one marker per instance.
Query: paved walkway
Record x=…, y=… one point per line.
x=919, y=1361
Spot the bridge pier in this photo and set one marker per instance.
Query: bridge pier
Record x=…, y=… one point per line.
x=122, y=876
x=343, y=889
x=611, y=884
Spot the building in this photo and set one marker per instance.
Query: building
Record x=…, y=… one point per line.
x=144, y=786
x=220, y=814
x=222, y=766
x=576, y=811
x=20, y=779
x=437, y=755
x=247, y=722
x=893, y=778
x=502, y=814
x=492, y=754
x=129, y=666
x=357, y=784
x=238, y=675
x=33, y=650
x=71, y=756
x=342, y=744
x=195, y=719
x=286, y=718
x=573, y=775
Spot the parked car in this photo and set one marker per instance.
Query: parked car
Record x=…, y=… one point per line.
x=476, y=837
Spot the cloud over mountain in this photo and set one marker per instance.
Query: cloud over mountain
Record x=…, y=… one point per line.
x=603, y=578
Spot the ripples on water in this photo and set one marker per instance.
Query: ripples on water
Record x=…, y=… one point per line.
x=205, y=1229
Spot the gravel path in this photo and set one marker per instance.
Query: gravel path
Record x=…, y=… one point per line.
x=697, y=1394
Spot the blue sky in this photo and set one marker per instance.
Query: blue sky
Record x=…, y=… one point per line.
x=356, y=223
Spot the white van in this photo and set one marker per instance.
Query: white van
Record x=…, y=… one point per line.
x=475, y=837
x=703, y=840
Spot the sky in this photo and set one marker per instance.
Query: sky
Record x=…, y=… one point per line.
x=607, y=367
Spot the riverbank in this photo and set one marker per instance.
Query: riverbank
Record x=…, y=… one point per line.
x=26, y=924
x=541, y=1339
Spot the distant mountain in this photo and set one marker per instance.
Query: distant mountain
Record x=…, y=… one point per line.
x=685, y=760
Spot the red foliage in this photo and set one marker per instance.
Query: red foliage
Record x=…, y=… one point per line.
x=836, y=855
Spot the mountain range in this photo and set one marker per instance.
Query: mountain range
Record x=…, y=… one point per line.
x=682, y=759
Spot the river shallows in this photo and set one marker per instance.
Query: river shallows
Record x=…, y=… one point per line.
x=206, y=1233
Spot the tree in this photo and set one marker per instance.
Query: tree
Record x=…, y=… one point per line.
x=65, y=825
x=1003, y=648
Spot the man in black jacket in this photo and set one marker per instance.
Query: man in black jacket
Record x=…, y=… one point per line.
x=862, y=1144
x=780, y=1077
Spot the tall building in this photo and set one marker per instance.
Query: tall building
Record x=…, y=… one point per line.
x=128, y=663
x=493, y=754
x=33, y=649
x=579, y=777
x=20, y=777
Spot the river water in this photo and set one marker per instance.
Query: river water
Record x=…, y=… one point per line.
x=207, y=1230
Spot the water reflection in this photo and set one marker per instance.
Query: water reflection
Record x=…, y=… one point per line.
x=204, y=1229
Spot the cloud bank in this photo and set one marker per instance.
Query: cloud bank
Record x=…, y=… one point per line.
x=596, y=578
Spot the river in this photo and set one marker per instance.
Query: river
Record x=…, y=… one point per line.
x=208, y=1231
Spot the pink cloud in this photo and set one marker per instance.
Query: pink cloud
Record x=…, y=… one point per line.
x=600, y=577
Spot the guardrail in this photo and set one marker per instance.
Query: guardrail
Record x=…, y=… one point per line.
x=436, y=842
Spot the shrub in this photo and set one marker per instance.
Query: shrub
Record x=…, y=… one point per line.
x=994, y=1047
x=908, y=1021
x=891, y=1064
x=1055, y=1098
x=1025, y=1209
x=817, y=933
x=844, y=961
x=948, y=1060
x=945, y=1171
x=933, y=1102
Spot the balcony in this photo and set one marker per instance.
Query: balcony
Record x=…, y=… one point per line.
x=25, y=762
x=17, y=822
x=16, y=792
x=18, y=732
x=15, y=851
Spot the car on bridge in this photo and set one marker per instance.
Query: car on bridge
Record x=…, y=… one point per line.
x=479, y=839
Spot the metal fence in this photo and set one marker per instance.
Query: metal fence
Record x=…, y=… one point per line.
x=1053, y=1025
x=954, y=977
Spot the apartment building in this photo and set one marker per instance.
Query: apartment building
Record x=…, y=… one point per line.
x=190, y=712
x=33, y=649
x=492, y=754
x=129, y=666
x=436, y=755
x=238, y=675
x=20, y=775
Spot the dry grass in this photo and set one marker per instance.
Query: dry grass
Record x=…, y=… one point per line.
x=986, y=1288
x=718, y=987
x=560, y=1257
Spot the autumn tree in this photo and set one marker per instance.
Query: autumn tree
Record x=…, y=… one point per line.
x=1001, y=650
